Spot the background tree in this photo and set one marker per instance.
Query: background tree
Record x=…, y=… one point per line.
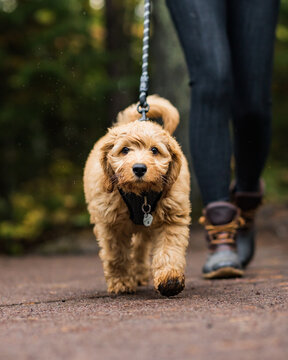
x=121, y=67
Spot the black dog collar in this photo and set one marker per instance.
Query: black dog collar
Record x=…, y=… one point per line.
x=141, y=206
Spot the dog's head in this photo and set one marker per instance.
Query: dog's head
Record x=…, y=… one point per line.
x=140, y=156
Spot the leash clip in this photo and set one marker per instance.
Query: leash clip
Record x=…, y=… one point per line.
x=143, y=109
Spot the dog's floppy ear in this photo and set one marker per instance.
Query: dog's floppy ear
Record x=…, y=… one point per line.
x=175, y=164
x=108, y=172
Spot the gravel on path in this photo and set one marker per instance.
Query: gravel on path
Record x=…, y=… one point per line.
x=57, y=308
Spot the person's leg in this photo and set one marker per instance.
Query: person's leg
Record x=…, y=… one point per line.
x=201, y=26
x=251, y=31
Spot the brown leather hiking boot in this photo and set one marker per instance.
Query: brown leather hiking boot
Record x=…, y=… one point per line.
x=222, y=220
x=248, y=203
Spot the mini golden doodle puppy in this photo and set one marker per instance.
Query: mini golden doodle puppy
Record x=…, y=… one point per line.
x=137, y=184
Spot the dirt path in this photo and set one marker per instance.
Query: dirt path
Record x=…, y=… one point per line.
x=57, y=308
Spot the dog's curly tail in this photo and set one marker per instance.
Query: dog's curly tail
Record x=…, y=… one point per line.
x=159, y=108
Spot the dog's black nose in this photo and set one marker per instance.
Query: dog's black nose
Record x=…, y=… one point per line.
x=139, y=169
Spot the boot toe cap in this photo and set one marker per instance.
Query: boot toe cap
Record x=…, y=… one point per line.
x=217, y=262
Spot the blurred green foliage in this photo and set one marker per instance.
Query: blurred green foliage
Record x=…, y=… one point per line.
x=59, y=83
x=55, y=98
x=276, y=172
x=43, y=204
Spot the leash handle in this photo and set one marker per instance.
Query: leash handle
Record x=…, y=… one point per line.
x=143, y=107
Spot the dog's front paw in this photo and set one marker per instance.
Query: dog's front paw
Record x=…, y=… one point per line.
x=170, y=283
x=121, y=286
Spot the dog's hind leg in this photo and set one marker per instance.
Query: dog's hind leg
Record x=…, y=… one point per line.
x=168, y=264
x=141, y=246
x=115, y=253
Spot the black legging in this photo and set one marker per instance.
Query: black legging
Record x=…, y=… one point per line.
x=228, y=45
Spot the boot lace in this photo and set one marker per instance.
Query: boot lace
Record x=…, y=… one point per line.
x=222, y=234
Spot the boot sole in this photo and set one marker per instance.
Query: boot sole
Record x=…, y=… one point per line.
x=222, y=273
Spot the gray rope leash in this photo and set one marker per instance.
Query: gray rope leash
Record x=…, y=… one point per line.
x=143, y=107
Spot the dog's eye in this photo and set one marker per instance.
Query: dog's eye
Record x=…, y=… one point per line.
x=154, y=150
x=125, y=150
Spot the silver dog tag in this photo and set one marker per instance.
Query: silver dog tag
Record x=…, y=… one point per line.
x=147, y=219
